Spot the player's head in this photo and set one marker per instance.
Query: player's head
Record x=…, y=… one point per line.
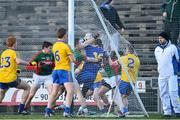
x=62, y=33
x=47, y=46
x=113, y=55
x=77, y=43
x=88, y=36
x=11, y=41
x=163, y=38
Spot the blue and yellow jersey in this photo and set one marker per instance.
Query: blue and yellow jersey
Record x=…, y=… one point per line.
x=80, y=67
x=8, y=66
x=61, y=53
x=93, y=52
x=90, y=69
x=99, y=77
x=131, y=63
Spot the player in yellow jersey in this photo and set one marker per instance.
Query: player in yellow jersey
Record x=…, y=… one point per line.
x=131, y=63
x=8, y=75
x=62, y=73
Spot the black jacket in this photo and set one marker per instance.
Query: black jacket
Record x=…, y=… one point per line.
x=112, y=16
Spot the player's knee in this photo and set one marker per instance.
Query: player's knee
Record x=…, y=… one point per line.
x=31, y=95
x=96, y=97
x=101, y=93
x=27, y=87
x=1, y=99
x=124, y=96
x=70, y=92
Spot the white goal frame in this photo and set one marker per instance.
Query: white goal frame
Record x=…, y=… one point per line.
x=71, y=25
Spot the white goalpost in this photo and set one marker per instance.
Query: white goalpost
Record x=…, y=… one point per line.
x=104, y=29
x=71, y=23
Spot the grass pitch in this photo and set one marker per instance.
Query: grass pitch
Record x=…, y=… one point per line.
x=6, y=116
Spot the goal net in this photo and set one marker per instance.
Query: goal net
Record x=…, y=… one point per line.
x=35, y=21
x=89, y=19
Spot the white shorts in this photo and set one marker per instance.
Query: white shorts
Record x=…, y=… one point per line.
x=112, y=81
x=39, y=80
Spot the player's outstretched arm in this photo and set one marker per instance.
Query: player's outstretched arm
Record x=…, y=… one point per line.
x=20, y=61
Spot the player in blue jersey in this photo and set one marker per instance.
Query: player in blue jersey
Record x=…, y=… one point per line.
x=92, y=64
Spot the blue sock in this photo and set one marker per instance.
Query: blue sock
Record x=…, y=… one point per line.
x=48, y=110
x=125, y=110
x=21, y=107
x=67, y=110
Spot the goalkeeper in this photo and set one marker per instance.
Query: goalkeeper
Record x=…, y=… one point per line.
x=90, y=40
x=92, y=64
x=94, y=90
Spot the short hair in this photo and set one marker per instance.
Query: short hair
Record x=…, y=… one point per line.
x=113, y=55
x=88, y=36
x=46, y=44
x=76, y=41
x=61, y=32
x=10, y=41
x=99, y=42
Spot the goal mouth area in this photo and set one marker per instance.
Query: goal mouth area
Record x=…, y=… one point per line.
x=111, y=115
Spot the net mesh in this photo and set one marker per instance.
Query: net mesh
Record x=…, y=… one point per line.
x=33, y=26
x=88, y=21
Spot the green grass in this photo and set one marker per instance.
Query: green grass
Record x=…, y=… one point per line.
x=58, y=117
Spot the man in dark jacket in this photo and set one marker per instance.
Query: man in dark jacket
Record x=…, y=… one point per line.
x=171, y=12
x=111, y=15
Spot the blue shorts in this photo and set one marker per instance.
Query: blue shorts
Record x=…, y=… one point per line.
x=61, y=76
x=96, y=85
x=6, y=86
x=86, y=76
x=125, y=87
